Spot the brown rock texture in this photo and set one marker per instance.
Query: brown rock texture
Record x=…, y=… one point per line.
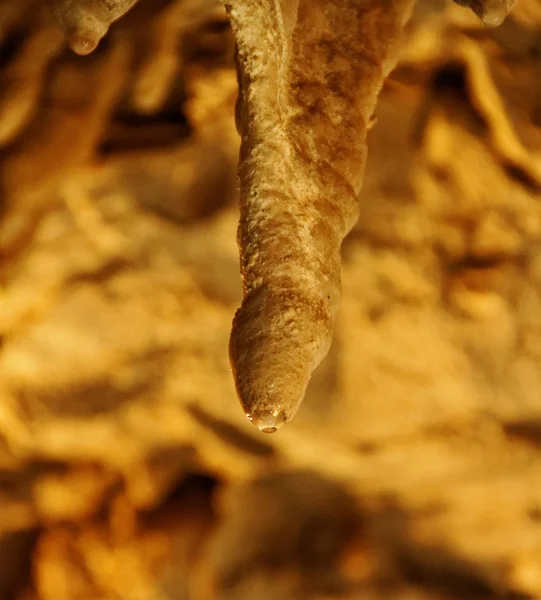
x=309, y=87
x=412, y=469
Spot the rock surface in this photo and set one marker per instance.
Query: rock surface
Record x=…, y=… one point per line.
x=308, y=89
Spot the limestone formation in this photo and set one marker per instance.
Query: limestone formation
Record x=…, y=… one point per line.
x=85, y=22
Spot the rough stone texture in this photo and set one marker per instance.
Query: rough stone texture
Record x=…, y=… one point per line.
x=309, y=85
x=413, y=468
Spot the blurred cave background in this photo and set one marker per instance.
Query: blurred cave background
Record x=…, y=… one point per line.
x=127, y=468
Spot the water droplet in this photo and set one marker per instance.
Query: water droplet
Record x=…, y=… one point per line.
x=267, y=421
x=83, y=44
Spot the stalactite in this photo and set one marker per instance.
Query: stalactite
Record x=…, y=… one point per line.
x=85, y=22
